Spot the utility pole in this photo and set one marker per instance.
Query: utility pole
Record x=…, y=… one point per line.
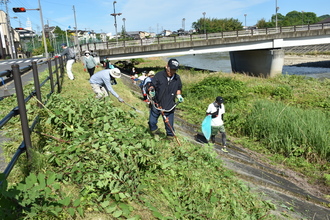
x=204, y=13
x=75, y=21
x=10, y=34
x=43, y=30
x=114, y=14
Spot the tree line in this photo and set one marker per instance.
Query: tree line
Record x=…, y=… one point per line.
x=214, y=25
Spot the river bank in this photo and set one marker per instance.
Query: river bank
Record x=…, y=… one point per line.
x=307, y=60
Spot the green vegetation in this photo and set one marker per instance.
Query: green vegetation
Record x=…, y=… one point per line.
x=96, y=159
x=292, y=18
x=216, y=25
x=286, y=115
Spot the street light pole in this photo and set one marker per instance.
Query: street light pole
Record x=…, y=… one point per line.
x=183, y=23
x=114, y=14
x=245, y=21
x=124, y=19
x=276, y=9
x=204, y=13
x=302, y=18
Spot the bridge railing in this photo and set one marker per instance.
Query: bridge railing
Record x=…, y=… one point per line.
x=55, y=69
x=196, y=37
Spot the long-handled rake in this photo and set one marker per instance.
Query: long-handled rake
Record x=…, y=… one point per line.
x=166, y=119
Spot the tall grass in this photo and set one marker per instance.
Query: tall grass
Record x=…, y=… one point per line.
x=289, y=130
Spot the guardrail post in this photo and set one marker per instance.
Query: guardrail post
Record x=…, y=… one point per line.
x=61, y=66
x=36, y=82
x=57, y=76
x=51, y=75
x=22, y=109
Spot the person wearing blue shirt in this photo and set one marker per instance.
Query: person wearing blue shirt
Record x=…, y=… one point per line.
x=101, y=83
x=144, y=84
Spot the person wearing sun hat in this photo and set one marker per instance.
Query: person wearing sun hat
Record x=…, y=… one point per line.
x=89, y=63
x=102, y=80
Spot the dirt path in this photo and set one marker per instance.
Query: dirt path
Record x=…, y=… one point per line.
x=290, y=192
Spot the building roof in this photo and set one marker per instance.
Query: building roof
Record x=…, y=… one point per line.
x=327, y=20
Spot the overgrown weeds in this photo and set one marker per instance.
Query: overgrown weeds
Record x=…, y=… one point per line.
x=95, y=157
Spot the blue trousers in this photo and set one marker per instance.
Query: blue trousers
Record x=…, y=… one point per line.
x=153, y=119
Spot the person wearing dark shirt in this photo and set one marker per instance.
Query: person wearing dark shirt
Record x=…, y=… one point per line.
x=70, y=59
x=164, y=87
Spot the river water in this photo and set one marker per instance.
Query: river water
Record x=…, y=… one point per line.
x=221, y=62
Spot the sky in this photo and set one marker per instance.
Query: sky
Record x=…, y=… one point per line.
x=150, y=15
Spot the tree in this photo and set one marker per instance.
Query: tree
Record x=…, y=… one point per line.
x=290, y=19
x=262, y=23
x=216, y=25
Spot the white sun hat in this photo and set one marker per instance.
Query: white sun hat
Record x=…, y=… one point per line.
x=115, y=73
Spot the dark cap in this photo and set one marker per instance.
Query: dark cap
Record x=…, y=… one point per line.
x=173, y=64
x=219, y=99
x=63, y=45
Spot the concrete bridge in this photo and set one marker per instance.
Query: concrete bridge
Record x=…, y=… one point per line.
x=254, y=52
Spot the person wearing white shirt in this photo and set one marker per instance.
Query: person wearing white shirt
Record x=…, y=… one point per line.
x=217, y=110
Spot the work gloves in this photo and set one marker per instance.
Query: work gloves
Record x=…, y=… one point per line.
x=180, y=98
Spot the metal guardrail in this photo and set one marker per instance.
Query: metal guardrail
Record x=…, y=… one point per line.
x=7, y=75
x=196, y=37
x=57, y=69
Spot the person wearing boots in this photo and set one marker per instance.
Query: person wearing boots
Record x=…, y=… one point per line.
x=217, y=110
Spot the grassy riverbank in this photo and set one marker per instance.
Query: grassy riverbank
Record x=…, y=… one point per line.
x=96, y=159
x=286, y=117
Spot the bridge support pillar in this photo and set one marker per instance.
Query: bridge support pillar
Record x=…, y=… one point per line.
x=263, y=63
